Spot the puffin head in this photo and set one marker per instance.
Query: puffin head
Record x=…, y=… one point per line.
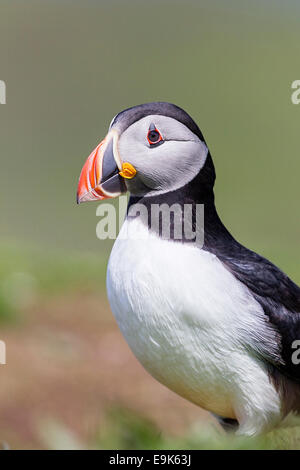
x=150, y=149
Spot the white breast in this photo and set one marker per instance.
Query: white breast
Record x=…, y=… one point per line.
x=184, y=315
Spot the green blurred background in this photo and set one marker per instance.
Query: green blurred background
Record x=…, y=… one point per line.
x=69, y=67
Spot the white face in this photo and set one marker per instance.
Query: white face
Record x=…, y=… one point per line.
x=165, y=166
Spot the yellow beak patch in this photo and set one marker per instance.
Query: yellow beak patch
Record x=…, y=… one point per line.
x=128, y=171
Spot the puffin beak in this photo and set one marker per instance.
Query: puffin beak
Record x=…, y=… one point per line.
x=100, y=176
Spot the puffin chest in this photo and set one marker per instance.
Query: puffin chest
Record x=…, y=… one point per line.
x=177, y=307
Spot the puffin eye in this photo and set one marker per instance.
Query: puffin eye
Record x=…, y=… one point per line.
x=154, y=136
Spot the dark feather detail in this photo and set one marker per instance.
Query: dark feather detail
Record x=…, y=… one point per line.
x=127, y=117
x=288, y=389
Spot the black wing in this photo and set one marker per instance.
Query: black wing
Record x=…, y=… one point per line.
x=279, y=297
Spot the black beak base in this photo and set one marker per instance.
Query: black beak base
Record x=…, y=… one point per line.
x=111, y=180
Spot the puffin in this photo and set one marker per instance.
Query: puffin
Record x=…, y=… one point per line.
x=213, y=321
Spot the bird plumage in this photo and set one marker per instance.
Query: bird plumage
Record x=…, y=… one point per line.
x=213, y=321
x=193, y=326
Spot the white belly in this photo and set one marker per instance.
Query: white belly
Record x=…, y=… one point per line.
x=184, y=316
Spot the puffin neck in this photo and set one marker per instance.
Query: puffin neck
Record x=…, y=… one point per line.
x=199, y=191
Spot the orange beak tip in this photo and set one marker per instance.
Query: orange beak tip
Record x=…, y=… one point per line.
x=99, y=178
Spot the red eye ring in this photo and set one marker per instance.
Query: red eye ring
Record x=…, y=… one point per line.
x=154, y=136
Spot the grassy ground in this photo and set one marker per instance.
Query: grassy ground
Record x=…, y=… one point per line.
x=124, y=429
